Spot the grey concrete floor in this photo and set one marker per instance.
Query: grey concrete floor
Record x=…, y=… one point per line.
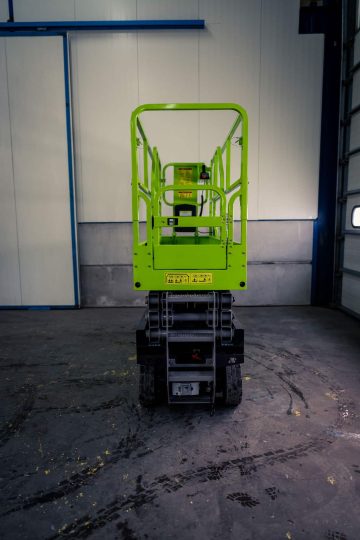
x=80, y=458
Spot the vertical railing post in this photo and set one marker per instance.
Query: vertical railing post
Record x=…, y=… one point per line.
x=146, y=165
x=228, y=163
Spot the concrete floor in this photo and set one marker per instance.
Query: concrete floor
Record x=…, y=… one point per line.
x=80, y=458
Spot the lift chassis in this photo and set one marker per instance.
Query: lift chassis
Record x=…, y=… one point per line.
x=189, y=252
x=190, y=347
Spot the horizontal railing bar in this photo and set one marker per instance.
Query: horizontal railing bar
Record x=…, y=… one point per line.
x=189, y=221
x=144, y=138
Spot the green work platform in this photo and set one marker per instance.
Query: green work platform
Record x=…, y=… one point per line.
x=191, y=239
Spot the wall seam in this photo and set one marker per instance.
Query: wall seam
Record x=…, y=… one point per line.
x=137, y=58
x=199, y=79
x=76, y=114
x=13, y=170
x=259, y=115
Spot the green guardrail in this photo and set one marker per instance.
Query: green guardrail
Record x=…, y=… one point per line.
x=171, y=249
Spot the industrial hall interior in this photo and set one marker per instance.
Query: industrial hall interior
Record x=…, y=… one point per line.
x=180, y=269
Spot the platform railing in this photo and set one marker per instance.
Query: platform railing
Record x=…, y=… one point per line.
x=151, y=189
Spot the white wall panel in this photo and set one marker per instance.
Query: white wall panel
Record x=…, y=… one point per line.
x=105, y=91
x=167, y=9
x=250, y=52
x=351, y=292
x=67, y=10
x=168, y=66
x=229, y=68
x=37, y=106
x=4, y=10
x=354, y=172
x=104, y=10
x=168, y=73
x=290, y=114
x=44, y=10
x=10, y=289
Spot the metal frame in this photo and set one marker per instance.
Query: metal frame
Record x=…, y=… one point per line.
x=62, y=27
x=222, y=257
x=11, y=10
x=73, y=221
x=345, y=153
x=324, y=227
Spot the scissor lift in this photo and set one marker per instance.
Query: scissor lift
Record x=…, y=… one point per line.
x=189, y=254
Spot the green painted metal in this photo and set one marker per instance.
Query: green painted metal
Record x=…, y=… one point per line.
x=211, y=259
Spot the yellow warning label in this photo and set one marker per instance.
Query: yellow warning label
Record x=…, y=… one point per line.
x=185, y=173
x=201, y=277
x=193, y=278
x=185, y=194
x=185, y=182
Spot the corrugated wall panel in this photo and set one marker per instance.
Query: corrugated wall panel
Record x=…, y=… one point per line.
x=352, y=253
x=290, y=105
x=10, y=287
x=229, y=70
x=37, y=106
x=4, y=10
x=80, y=10
x=356, y=89
x=167, y=9
x=351, y=293
x=349, y=263
x=355, y=131
x=105, y=90
x=168, y=73
x=354, y=172
x=44, y=10
x=240, y=54
x=357, y=49
x=104, y=10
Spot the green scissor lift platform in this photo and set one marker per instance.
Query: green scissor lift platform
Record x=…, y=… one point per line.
x=189, y=252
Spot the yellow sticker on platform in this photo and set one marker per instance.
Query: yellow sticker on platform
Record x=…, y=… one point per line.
x=185, y=194
x=185, y=173
x=193, y=278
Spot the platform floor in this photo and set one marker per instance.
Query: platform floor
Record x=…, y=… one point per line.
x=80, y=458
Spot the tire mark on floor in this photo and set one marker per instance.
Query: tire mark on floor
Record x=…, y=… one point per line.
x=244, y=499
x=346, y=408
x=105, y=405
x=12, y=426
x=292, y=387
x=123, y=450
x=87, y=524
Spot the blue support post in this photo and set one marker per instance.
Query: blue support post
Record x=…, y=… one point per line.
x=70, y=169
x=11, y=10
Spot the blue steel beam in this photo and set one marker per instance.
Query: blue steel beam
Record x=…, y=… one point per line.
x=76, y=26
x=11, y=10
x=70, y=169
